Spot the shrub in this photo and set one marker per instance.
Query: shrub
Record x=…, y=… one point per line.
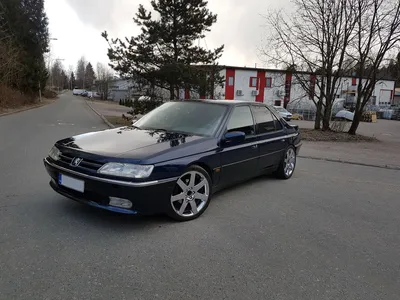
x=144, y=106
x=11, y=98
x=49, y=94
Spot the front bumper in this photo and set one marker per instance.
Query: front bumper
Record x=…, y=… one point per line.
x=147, y=197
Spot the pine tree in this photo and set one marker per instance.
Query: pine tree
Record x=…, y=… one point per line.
x=89, y=76
x=165, y=54
x=72, y=80
x=27, y=23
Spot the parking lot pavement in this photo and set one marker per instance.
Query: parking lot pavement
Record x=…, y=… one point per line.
x=330, y=232
x=384, y=153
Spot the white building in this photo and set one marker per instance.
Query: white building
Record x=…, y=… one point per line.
x=280, y=87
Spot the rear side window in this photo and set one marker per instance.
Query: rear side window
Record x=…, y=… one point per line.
x=265, y=122
x=277, y=117
x=241, y=120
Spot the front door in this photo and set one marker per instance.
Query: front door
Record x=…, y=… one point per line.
x=239, y=162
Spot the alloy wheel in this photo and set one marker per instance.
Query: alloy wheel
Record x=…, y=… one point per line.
x=289, y=162
x=191, y=194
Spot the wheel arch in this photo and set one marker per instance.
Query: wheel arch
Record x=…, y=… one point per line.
x=204, y=166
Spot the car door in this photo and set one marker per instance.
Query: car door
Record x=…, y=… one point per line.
x=239, y=161
x=270, y=137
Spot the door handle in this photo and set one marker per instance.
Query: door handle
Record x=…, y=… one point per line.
x=254, y=146
x=283, y=140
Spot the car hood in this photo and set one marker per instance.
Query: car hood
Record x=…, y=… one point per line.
x=132, y=143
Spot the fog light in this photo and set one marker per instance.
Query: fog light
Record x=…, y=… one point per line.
x=120, y=202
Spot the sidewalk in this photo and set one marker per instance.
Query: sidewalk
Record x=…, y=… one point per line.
x=108, y=108
x=385, y=153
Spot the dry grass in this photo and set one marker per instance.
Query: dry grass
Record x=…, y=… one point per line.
x=49, y=94
x=14, y=101
x=10, y=98
x=118, y=121
x=332, y=136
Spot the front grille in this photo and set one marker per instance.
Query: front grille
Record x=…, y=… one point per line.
x=85, y=163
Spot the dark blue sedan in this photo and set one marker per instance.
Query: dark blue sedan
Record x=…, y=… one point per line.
x=174, y=158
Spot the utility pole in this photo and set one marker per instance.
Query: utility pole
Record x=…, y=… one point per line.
x=50, y=64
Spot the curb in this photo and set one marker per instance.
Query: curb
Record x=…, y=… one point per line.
x=390, y=167
x=100, y=115
x=23, y=109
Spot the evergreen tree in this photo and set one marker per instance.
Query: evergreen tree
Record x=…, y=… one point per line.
x=165, y=54
x=89, y=76
x=72, y=81
x=64, y=80
x=27, y=23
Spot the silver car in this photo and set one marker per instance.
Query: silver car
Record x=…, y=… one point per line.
x=284, y=113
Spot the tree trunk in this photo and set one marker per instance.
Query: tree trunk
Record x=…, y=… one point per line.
x=171, y=92
x=326, y=118
x=355, y=123
x=317, y=124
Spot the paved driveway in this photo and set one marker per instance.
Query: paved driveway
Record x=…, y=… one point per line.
x=331, y=232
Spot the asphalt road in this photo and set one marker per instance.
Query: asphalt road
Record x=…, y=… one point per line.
x=331, y=232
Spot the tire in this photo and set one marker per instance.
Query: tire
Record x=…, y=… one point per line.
x=191, y=195
x=284, y=171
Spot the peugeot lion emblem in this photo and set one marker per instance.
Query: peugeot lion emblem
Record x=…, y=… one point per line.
x=76, y=161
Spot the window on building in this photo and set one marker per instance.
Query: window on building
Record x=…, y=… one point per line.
x=265, y=123
x=230, y=81
x=253, y=81
x=268, y=82
x=241, y=120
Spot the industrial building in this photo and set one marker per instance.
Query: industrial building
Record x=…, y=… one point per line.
x=279, y=88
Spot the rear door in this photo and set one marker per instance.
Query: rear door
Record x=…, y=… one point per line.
x=239, y=162
x=270, y=137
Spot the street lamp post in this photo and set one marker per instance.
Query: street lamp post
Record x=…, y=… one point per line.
x=50, y=61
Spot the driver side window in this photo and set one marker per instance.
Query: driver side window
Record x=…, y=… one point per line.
x=242, y=120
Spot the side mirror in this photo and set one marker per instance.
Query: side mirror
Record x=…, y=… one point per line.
x=233, y=138
x=295, y=126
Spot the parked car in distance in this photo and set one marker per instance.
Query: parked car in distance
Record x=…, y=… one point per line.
x=174, y=158
x=284, y=113
x=77, y=91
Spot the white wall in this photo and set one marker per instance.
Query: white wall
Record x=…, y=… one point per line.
x=242, y=82
x=277, y=91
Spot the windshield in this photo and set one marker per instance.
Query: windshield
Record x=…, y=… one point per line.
x=194, y=118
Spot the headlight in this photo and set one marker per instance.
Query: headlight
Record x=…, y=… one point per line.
x=54, y=153
x=126, y=170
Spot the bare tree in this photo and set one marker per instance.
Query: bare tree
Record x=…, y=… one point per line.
x=59, y=80
x=104, y=77
x=311, y=44
x=377, y=34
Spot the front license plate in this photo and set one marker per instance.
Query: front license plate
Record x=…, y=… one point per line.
x=71, y=183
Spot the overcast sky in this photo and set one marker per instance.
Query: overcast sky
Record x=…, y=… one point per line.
x=77, y=24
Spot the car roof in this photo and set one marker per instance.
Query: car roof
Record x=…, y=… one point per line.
x=226, y=102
